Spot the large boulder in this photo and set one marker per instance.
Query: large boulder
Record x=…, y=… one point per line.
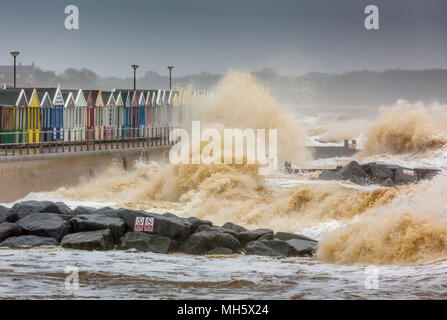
x=303, y=247
x=92, y=222
x=146, y=242
x=203, y=242
x=28, y=241
x=378, y=172
x=8, y=229
x=234, y=227
x=23, y=209
x=82, y=210
x=196, y=222
x=272, y=248
x=289, y=236
x=45, y=225
x=353, y=172
x=205, y=227
x=170, y=226
x=4, y=214
x=247, y=236
x=90, y=240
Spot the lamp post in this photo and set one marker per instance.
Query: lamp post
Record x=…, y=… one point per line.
x=134, y=67
x=170, y=72
x=15, y=54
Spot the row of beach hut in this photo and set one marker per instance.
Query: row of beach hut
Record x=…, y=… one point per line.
x=33, y=115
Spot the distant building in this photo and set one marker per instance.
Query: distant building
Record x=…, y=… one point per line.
x=25, y=74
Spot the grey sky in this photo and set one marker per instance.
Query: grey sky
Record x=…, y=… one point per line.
x=292, y=37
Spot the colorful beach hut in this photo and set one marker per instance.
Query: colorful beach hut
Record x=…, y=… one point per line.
x=119, y=114
x=13, y=111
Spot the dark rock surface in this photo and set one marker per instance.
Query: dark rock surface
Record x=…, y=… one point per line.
x=28, y=241
x=146, y=242
x=8, y=229
x=202, y=242
x=92, y=222
x=45, y=225
x=374, y=173
x=22, y=209
x=89, y=240
x=303, y=247
x=289, y=236
x=103, y=229
x=81, y=210
x=247, y=236
x=219, y=250
x=234, y=227
x=272, y=248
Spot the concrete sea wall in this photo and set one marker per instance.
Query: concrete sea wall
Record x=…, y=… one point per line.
x=22, y=174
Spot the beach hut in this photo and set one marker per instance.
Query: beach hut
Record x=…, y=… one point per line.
x=127, y=98
x=148, y=114
x=33, y=117
x=13, y=107
x=90, y=115
x=108, y=115
x=46, y=106
x=119, y=114
x=134, y=114
x=80, y=115
x=57, y=115
x=69, y=115
x=141, y=118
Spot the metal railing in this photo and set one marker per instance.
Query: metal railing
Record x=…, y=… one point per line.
x=82, y=139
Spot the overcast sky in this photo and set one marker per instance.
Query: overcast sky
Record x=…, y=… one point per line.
x=292, y=37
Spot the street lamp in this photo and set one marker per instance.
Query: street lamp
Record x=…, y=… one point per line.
x=134, y=67
x=170, y=72
x=14, y=54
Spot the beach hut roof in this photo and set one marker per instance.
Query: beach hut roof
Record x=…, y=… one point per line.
x=10, y=97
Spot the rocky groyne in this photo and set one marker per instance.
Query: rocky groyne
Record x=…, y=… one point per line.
x=44, y=223
x=375, y=173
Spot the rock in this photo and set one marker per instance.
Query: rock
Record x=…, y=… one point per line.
x=304, y=247
x=404, y=176
x=92, y=222
x=81, y=210
x=234, y=227
x=202, y=242
x=272, y=248
x=205, y=227
x=247, y=236
x=218, y=251
x=146, y=242
x=196, y=222
x=267, y=236
x=90, y=240
x=176, y=228
x=353, y=172
x=388, y=183
x=4, y=214
x=8, y=229
x=105, y=211
x=28, y=241
x=45, y=225
x=289, y=236
x=327, y=174
x=378, y=172
x=23, y=209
